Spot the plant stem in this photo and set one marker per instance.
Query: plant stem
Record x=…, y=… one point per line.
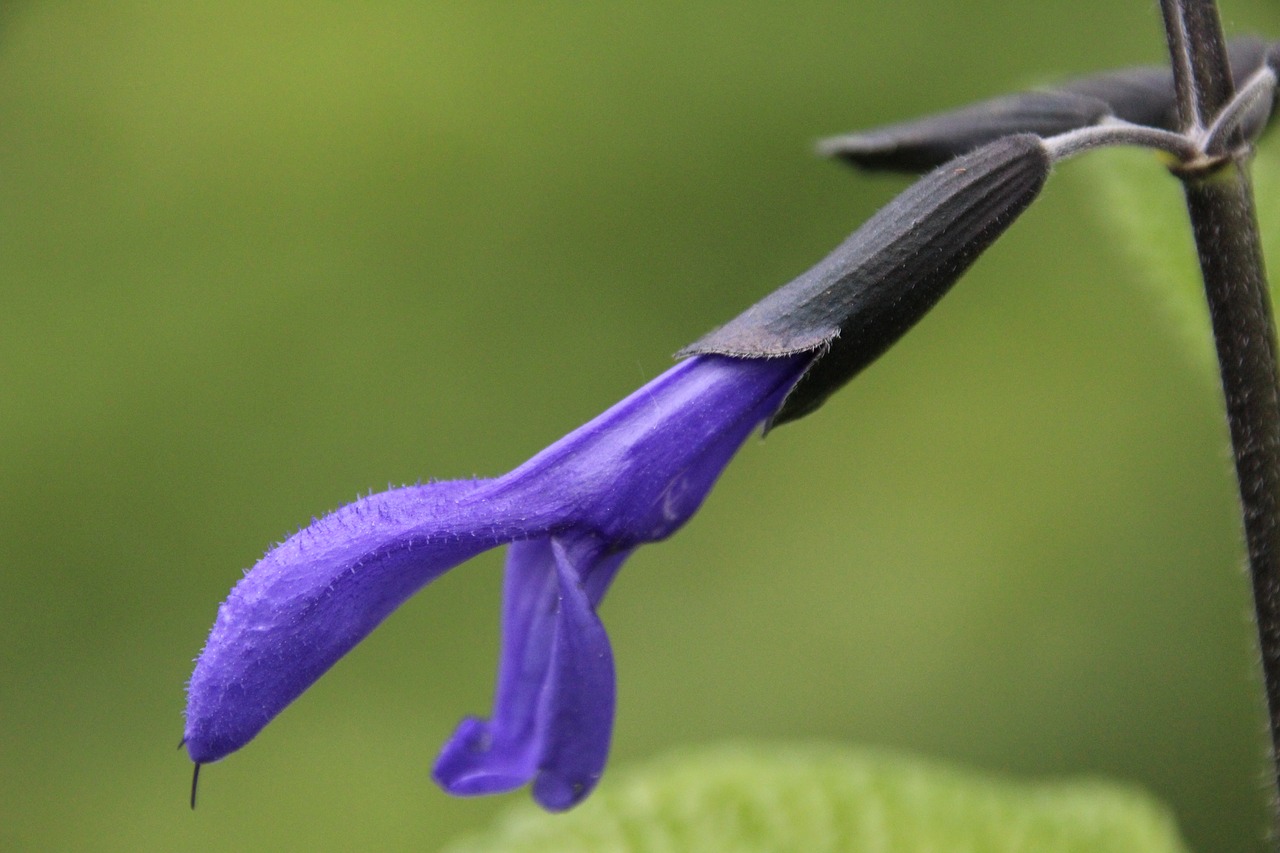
x=1226, y=235
x=1225, y=225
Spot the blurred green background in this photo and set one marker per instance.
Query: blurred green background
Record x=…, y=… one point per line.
x=259, y=257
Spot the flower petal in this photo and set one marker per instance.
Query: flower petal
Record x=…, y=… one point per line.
x=544, y=682
x=313, y=597
x=577, y=708
x=484, y=757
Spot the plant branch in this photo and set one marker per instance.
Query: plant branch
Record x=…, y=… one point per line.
x=1201, y=72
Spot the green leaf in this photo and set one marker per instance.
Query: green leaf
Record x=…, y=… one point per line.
x=820, y=799
x=1141, y=205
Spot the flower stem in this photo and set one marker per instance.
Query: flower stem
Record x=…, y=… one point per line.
x=1225, y=225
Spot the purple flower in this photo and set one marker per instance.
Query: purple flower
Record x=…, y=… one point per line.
x=572, y=514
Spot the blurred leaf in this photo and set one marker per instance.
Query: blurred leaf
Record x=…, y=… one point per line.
x=1143, y=205
x=819, y=799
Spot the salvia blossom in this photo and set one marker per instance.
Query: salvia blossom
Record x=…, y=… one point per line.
x=574, y=512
